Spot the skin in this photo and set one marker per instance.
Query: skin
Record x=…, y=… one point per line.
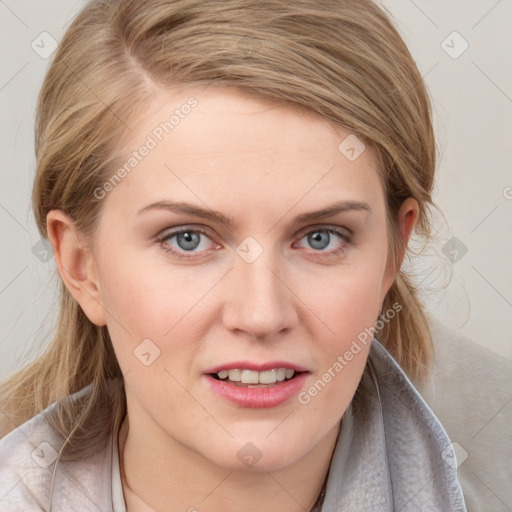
x=261, y=165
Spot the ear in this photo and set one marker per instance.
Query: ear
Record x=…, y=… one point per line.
x=407, y=218
x=76, y=265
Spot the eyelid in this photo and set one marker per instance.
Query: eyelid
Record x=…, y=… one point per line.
x=345, y=234
x=341, y=230
x=170, y=232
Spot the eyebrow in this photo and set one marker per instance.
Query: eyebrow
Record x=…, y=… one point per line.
x=218, y=217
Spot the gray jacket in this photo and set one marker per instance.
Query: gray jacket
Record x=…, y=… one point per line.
x=392, y=454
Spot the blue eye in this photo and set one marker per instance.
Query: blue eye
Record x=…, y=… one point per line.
x=195, y=243
x=183, y=241
x=328, y=240
x=188, y=240
x=319, y=239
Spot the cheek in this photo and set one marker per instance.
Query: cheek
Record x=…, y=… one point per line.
x=347, y=304
x=349, y=312
x=134, y=297
x=345, y=301
x=152, y=300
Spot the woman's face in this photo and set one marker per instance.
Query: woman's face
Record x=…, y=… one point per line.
x=246, y=236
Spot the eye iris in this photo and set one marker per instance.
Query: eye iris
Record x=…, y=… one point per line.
x=319, y=239
x=188, y=240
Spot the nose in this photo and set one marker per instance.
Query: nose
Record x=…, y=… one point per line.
x=260, y=303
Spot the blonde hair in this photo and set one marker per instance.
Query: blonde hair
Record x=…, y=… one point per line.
x=341, y=59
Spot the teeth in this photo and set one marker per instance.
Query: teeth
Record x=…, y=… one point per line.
x=234, y=375
x=268, y=377
x=253, y=377
x=249, y=377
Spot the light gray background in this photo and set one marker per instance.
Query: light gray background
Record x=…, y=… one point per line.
x=472, y=96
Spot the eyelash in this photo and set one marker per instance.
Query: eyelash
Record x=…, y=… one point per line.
x=180, y=255
x=344, y=235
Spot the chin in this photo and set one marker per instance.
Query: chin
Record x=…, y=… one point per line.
x=257, y=454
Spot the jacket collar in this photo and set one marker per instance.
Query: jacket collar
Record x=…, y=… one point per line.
x=392, y=453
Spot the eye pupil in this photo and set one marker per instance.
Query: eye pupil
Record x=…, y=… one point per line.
x=319, y=239
x=188, y=240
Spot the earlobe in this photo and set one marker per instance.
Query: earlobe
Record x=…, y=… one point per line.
x=76, y=265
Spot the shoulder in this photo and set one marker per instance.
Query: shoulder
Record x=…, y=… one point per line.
x=32, y=476
x=411, y=454
x=470, y=391
x=26, y=454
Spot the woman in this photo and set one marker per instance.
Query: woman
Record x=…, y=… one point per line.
x=229, y=189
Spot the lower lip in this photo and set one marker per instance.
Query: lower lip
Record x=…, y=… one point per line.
x=258, y=397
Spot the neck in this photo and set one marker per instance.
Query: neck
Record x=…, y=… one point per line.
x=151, y=482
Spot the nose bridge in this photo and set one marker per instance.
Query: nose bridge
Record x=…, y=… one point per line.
x=260, y=303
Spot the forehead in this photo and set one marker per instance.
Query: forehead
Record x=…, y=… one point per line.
x=220, y=146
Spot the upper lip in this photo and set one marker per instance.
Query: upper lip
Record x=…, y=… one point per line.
x=258, y=367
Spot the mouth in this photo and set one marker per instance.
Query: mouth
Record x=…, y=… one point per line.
x=251, y=385
x=256, y=379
